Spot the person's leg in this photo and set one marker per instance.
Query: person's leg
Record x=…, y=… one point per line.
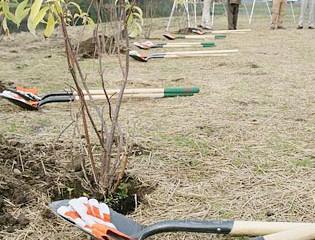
x=275, y=13
x=205, y=20
x=235, y=15
x=311, y=17
x=283, y=5
x=230, y=15
x=304, y=4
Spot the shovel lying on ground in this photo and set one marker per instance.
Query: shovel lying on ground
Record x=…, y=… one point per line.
x=148, y=44
x=227, y=31
x=28, y=100
x=116, y=226
x=213, y=53
x=202, y=31
x=209, y=36
x=31, y=94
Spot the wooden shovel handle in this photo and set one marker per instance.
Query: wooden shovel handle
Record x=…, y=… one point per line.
x=300, y=233
x=255, y=228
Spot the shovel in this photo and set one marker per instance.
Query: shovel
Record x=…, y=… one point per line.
x=215, y=53
x=148, y=44
x=32, y=105
x=31, y=94
x=203, y=31
x=210, y=36
x=138, y=231
x=29, y=101
x=227, y=31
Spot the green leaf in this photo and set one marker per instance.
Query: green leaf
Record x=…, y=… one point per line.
x=40, y=16
x=20, y=12
x=138, y=16
x=58, y=8
x=50, y=25
x=76, y=15
x=77, y=6
x=5, y=7
x=130, y=19
x=5, y=25
x=35, y=9
x=7, y=13
x=11, y=17
x=90, y=22
x=31, y=27
x=139, y=10
x=128, y=6
x=134, y=29
x=25, y=13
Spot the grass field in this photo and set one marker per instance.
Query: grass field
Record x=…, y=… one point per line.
x=243, y=148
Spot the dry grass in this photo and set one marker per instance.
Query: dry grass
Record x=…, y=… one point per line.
x=241, y=148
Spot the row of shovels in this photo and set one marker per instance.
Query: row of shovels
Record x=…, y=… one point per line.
x=30, y=100
x=101, y=222
x=214, y=35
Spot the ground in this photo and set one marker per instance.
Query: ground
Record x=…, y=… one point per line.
x=243, y=148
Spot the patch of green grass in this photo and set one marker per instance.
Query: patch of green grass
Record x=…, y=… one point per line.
x=224, y=214
x=283, y=147
x=188, y=143
x=264, y=167
x=13, y=127
x=304, y=163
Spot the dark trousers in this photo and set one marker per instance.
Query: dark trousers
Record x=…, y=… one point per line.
x=232, y=12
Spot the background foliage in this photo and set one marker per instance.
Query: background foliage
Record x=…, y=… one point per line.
x=160, y=8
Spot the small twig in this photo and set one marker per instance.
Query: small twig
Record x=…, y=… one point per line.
x=44, y=168
x=88, y=145
x=136, y=201
x=173, y=192
x=8, y=202
x=13, y=164
x=124, y=161
x=21, y=160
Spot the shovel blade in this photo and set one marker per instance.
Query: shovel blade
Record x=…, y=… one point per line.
x=122, y=223
x=18, y=100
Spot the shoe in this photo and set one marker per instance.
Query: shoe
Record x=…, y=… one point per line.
x=204, y=27
x=310, y=27
x=272, y=28
x=299, y=27
x=207, y=28
x=281, y=27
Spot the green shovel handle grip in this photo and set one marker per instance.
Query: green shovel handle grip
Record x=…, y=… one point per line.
x=181, y=90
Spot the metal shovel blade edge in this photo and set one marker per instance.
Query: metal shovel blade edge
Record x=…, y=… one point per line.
x=122, y=223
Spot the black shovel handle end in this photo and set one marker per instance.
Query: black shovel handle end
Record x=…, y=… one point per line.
x=169, y=37
x=69, y=98
x=201, y=226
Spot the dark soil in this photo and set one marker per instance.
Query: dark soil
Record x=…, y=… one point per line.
x=30, y=170
x=16, y=193
x=4, y=86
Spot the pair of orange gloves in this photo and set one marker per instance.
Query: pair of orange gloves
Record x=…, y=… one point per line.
x=92, y=217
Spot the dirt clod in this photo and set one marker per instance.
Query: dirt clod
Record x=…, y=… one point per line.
x=48, y=214
x=23, y=221
x=88, y=47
